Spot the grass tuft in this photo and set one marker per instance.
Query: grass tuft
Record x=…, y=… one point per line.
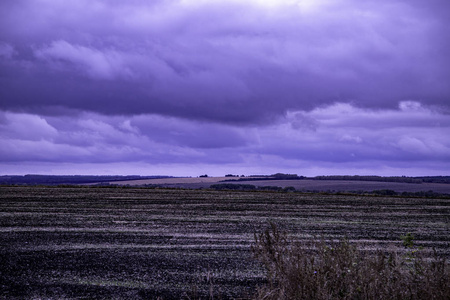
x=320, y=269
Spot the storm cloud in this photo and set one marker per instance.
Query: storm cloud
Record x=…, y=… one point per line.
x=357, y=86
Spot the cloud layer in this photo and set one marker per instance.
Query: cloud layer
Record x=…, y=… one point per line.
x=255, y=85
x=404, y=140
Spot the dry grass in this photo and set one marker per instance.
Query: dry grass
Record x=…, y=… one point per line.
x=321, y=269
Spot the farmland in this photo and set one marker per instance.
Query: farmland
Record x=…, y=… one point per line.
x=300, y=185
x=113, y=242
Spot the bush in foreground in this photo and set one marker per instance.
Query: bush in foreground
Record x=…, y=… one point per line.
x=322, y=269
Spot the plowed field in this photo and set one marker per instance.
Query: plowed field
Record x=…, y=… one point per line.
x=131, y=243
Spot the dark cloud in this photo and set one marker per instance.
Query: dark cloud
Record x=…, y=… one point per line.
x=249, y=64
x=256, y=85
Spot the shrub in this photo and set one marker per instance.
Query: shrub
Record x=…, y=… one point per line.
x=232, y=186
x=408, y=240
x=320, y=269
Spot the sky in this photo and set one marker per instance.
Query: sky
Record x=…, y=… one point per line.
x=192, y=87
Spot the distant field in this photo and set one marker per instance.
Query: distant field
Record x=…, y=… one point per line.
x=344, y=185
x=301, y=185
x=179, y=181
x=137, y=243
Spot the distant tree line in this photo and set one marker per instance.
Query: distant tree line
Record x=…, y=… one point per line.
x=231, y=186
x=250, y=187
x=435, y=179
x=404, y=179
x=400, y=179
x=67, y=179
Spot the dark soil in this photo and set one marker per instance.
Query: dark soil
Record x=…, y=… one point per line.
x=131, y=243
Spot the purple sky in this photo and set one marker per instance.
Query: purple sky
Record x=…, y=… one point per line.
x=311, y=87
